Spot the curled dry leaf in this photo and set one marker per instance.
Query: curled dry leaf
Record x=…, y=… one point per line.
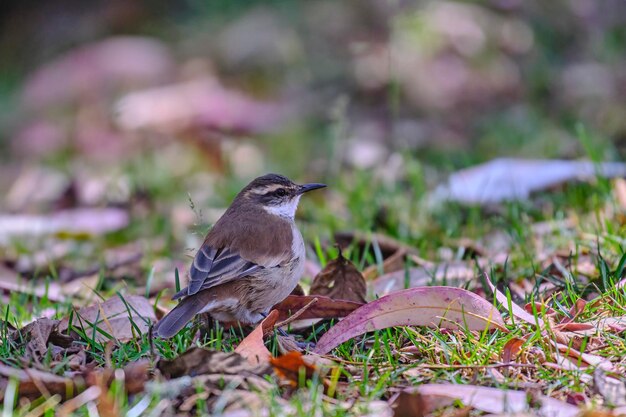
x=340, y=280
x=324, y=308
x=37, y=336
x=118, y=318
x=253, y=346
x=512, y=349
x=447, y=307
x=498, y=401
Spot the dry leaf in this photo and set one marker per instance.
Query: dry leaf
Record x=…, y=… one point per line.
x=253, y=346
x=494, y=400
x=288, y=367
x=446, y=307
x=612, y=389
x=82, y=221
x=511, y=349
x=12, y=282
x=324, y=308
x=340, y=280
x=408, y=405
x=118, y=318
x=514, y=179
x=199, y=361
x=34, y=383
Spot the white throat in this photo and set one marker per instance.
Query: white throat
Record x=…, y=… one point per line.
x=287, y=210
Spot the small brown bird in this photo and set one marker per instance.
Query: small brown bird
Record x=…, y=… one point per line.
x=250, y=260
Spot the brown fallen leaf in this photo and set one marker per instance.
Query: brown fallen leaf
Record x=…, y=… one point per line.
x=408, y=405
x=136, y=375
x=37, y=336
x=511, y=349
x=119, y=318
x=340, y=280
x=289, y=365
x=253, y=346
x=199, y=361
x=324, y=308
x=34, y=383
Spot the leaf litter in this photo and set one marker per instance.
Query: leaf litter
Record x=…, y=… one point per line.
x=58, y=359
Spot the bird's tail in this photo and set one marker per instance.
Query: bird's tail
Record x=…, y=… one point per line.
x=176, y=319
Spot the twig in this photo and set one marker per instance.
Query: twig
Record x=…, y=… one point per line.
x=297, y=314
x=492, y=366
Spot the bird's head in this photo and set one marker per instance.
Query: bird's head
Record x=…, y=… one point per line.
x=276, y=194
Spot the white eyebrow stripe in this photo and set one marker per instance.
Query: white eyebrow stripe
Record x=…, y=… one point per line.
x=267, y=189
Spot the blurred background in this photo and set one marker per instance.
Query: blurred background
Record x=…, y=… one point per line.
x=164, y=110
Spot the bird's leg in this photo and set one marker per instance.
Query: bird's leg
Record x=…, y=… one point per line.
x=300, y=345
x=206, y=325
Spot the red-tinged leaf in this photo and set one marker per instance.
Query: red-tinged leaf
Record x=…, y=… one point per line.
x=517, y=311
x=574, y=327
x=511, y=349
x=496, y=401
x=446, y=307
x=288, y=367
x=253, y=346
x=324, y=308
x=540, y=308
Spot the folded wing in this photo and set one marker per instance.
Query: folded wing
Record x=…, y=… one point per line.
x=213, y=267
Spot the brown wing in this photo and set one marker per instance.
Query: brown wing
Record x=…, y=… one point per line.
x=238, y=245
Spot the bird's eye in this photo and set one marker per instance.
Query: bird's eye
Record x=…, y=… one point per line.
x=281, y=192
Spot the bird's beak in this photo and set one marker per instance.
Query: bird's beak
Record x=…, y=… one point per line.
x=310, y=187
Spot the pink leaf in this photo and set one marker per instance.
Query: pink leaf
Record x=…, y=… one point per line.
x=497, y=401
x=447, y=307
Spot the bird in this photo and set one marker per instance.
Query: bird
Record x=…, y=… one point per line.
x=251, y=259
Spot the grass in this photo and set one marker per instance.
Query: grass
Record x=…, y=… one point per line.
x=386, y=360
